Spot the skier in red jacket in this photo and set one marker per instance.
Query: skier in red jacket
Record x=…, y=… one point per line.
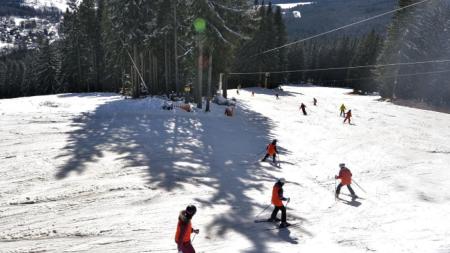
x=184, y=230
x=348, y=116
x=271, y=150
x=277, y=201
x=345, y=175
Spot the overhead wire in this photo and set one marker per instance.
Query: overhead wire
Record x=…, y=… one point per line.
x=343, y=68
x=339, y=28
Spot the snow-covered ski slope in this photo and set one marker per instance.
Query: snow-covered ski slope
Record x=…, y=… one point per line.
x=97, y=173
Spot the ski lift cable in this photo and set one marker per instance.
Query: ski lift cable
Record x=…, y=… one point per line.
x=344, y=68
x=339, y=28
x=391, y=76
x=134, y=65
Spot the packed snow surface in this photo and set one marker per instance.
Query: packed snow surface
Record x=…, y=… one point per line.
x=99, y=173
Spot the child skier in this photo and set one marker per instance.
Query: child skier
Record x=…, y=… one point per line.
x=303, y=108
x=346, y=179
x=271, y=150
x=277, y=201
x=343, y=110
x=348, y=116
x=184, y=230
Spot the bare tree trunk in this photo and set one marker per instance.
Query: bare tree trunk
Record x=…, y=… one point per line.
x=166, y=67
x=136, y=83
x=200, y=73
x=175, y=35
x=209, y=92
x=142, y=69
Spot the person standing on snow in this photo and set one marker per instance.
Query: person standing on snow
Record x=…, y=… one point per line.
x=184, y=230
x=303, y=108
x=315, y=101
x=271, y=150
x=348, y=116
x=343, y=110
x=345, y=175
x=277, y=201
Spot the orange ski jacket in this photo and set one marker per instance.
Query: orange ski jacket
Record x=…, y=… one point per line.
x=277, y=195
x=184, y=229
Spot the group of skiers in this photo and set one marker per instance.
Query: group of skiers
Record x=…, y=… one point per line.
x=344, y=175
x=185, y=229
x=347, y=115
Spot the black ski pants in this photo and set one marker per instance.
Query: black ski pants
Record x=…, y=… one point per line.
x=338, y=189
x=283, y=213
x=267, y=155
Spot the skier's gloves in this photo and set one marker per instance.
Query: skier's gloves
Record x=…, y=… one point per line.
x=288, y=199
x=196, y=231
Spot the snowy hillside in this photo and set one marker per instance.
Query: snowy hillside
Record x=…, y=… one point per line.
x=60, y=4
x=97, y=173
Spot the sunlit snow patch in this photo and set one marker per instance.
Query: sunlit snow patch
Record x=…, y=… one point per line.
x=60, y=4
x=292, y=5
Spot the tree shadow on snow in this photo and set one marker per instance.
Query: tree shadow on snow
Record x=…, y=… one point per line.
x=178, y=148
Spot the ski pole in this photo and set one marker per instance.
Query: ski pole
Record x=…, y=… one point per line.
x=359, y=186
x=335, y=198
x=263, y=210
x=193, y=238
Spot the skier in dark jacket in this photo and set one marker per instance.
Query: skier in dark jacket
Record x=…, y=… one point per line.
x=271, y=150
x=315, y=101
x=184, y=230
x=277, y=201
x=303, y=108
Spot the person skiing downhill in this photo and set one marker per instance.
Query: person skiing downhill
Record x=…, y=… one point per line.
x=184, y=230
x=277, y=201
x=303, y=108
x=343, y=108
x=348, y=116
x=315, y=101
x=271, y=150
x=345, y=175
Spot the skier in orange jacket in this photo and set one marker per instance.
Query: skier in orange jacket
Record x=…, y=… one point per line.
x=184, y=230
x=271, y=150
x=345, y=175
x=277, y=201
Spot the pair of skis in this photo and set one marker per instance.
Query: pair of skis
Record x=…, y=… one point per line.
x=277, y=227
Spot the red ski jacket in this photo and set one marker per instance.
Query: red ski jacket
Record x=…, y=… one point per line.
x=345, y=176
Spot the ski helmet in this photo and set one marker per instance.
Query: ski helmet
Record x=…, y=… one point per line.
x=191, y=210
x=274, y=141
x=282, y=180
x=341, y=165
